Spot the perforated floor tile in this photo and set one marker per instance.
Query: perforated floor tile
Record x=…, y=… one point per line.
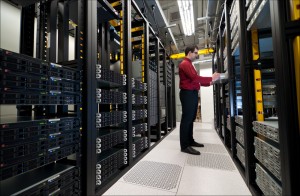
x=213, y=148
x=214, y=161
x=154, y=174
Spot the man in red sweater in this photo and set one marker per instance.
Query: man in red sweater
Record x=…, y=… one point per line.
x=190, y=83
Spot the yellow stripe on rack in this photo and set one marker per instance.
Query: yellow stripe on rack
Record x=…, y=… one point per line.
x=295, y=15
x=115, y=4
x=296, y=46
x=122, y=48
x=114, y=23
x=143, y=59
x=295, y=9
x=200, y=52
x=258, y=96
x=255, y=51
x=137, y=29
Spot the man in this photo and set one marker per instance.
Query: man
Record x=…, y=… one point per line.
x=190, y=83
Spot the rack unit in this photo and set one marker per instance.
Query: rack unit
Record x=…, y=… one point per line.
x=260, y=127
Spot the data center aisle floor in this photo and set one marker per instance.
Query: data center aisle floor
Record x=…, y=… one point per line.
x=165, y=170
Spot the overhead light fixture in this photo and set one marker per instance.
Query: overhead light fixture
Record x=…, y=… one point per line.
x=205, y=18
x=187, y=16
x=202, y=18
x=171, y=25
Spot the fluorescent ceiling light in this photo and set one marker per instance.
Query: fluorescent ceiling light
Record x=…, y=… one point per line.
x=187, y=16
x=205, y=18
x=202, y=18
x=171, y=25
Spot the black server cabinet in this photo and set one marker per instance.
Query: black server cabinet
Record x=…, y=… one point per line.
x=120, y=79
x=265, y=110
x=40, y=146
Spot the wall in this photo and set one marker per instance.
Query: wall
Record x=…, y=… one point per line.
x=10, y=17
x=207, y=104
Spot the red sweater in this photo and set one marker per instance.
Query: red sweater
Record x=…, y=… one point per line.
x=189, y=78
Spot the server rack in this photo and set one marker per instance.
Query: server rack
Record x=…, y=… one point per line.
x=171, y=96
x=112, y=107
x=119, y=116
x=163, y=89
x=43, y=139
x=257, y=141
x=154, y=75
x=108, y=95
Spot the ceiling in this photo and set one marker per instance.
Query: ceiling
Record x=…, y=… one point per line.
x=163, y=14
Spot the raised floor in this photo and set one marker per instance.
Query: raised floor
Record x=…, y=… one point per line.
x=165, y=170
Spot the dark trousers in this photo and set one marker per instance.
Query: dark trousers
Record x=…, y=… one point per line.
x=189, y=103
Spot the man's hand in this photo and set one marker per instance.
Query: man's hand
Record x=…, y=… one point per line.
x=215, y=76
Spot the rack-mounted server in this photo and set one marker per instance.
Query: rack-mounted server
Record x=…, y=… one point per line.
x=139, y=99
x=36, y=160
x=138, y=129
x=240, y=153
x=138, y=145
x=104, y=119
x=239, y=135
x=109, y=163
x=139, y=114
x=269, y=156
x=29, y=81
x=138, y=85
x=266, y=183
x=268, y=129
x=109, y=138
x=239, y=120
x=110, y=97
x=103, y=74
x=53, y=179
x=26, y=145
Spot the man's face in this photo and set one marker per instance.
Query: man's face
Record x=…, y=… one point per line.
x=194, y=55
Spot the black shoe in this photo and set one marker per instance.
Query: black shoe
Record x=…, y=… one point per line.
x=190, y=150
x=196, y=144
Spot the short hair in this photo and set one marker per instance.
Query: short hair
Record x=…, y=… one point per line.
x=190, y=49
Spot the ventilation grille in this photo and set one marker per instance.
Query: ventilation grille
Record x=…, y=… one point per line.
x=213, y=148
x=214, y=161
x=174, y=16
x=154, y=174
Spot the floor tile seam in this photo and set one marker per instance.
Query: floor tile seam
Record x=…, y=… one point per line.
x=218, y=153
x=209, y=168
x=180, y=178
